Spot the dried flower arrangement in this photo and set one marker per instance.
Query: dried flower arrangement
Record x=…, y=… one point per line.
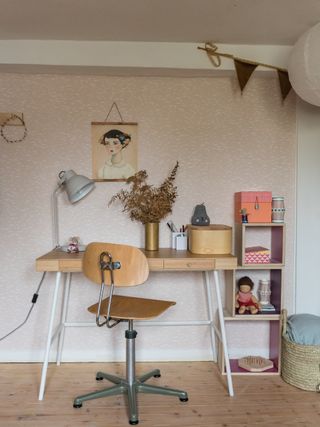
x=144, y=202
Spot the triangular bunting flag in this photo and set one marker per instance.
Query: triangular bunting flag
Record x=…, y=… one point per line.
x=244, y=70
x=285, y=84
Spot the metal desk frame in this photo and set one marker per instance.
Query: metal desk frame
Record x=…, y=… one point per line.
x=64, y=264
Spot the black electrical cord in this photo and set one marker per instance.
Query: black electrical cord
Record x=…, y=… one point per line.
x=33, y=301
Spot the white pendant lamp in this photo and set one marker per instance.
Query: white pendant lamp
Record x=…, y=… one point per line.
x=304, y=66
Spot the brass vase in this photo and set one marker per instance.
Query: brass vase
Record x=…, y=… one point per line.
x=152, y=236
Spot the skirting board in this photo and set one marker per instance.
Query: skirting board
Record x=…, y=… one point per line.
x=101, y=356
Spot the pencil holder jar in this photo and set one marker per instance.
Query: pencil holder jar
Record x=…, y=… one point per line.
x=179, y=241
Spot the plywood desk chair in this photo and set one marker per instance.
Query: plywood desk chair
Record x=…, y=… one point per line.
x=121, y=265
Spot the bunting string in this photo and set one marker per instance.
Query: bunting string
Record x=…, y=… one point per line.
x=244, y=68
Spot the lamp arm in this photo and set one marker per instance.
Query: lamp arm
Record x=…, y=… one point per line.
x=55, y=217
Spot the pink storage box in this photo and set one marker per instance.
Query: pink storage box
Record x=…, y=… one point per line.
x=257, y=255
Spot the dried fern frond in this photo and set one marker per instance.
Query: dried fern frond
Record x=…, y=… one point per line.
x=144, y=202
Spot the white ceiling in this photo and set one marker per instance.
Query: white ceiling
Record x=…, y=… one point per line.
x=273, y=22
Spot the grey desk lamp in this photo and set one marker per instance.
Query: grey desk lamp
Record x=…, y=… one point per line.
x=77, y=187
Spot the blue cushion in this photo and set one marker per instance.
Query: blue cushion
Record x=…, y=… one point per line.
x=304, y=329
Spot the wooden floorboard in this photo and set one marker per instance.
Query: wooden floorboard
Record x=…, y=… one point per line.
x=258, y=401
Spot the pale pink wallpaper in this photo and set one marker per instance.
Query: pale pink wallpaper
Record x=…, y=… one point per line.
x=225, y=142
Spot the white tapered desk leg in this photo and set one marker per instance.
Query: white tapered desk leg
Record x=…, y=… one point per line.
x=223, y=333
x=210, y=313
x=65, y=303
x=49, y=336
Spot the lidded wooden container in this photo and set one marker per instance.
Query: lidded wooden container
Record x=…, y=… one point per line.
x=210, y=239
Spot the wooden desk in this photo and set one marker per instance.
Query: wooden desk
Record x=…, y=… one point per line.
x=164, y=259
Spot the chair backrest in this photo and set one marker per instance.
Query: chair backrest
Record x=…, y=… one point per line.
x=134, y=265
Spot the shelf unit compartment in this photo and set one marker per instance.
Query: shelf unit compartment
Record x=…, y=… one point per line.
x=273, y=352
x=275, y=278
x=265, y=235
x=229, y=302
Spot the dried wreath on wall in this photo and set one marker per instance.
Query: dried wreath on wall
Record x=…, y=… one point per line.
x=9, y=127
x=144, y=202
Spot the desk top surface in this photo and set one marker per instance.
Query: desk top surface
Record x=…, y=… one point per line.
x=165, y=259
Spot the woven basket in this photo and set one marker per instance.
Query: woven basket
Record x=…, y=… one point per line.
x=300, y=364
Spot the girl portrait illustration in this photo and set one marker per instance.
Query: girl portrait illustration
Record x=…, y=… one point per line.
x=114, y=151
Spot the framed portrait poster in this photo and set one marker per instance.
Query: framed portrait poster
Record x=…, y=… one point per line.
x=114, y=150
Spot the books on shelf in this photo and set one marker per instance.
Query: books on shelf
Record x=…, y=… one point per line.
x=268, y=308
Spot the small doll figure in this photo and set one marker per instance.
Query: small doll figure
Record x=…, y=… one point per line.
x=245, y=300
x=73, y=245
x=244, y=215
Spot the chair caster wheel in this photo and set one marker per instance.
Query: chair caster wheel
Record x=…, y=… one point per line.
x=77, y=405
x=157, y=376
x=183, y=399
x=133, y=423
x=99, y=378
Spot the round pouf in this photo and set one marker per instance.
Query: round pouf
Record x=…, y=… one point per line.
x=304, y=66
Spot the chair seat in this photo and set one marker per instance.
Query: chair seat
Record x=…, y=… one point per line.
x=131, y=308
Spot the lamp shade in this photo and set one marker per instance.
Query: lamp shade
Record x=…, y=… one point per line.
x=76, y=186
x=304, y=66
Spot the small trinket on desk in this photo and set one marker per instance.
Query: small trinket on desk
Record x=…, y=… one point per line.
x=73, y=245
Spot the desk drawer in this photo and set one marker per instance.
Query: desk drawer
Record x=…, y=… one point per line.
x=189, y=264
x=155, y=264
x=47, y=265
x=70, y=266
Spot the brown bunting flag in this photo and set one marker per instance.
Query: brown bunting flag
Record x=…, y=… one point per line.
x=244, y=70
x=285, y=84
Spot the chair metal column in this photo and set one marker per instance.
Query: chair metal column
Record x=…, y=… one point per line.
x=132, y=385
